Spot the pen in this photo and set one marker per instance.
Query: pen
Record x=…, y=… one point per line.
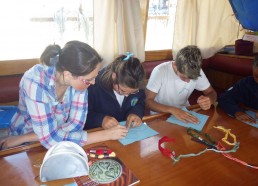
x=201, y=141
x=131, y=125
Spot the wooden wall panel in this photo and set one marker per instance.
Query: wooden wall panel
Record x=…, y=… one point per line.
x=220, y=79
x=158, y=55
x=13, y=67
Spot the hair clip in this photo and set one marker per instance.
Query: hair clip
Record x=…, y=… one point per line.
x=128, y=55
x=54, y=60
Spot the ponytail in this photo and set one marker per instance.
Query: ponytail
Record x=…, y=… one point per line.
x=76, y=57
x=51, y=54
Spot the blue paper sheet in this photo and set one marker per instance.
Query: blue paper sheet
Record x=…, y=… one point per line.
x=253, y=115
x=137, y=133
x=202, y=120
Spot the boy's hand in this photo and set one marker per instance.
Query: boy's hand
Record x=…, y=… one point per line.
x=184, y=116
x=204, y=102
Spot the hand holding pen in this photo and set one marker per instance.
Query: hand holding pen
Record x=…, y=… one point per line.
x=133, y=121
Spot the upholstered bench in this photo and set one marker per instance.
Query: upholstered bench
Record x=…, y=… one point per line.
x=225, y=70
x=9, y=91
x=221, y=70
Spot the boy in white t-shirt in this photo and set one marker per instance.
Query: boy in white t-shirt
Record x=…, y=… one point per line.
x=171, y=83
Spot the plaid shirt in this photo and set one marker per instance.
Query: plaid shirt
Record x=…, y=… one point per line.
x=41, y=112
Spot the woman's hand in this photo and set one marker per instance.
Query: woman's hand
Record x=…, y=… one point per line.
x=117, y=132
x=109, y=122
x=133, y=121
x=11, y=141
x=184, y=116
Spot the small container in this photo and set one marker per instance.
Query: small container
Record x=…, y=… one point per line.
x=243, y=47
x=66, y=159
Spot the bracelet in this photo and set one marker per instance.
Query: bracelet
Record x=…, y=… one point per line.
x=164, y=151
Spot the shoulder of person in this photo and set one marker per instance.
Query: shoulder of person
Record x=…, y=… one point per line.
x=34, y=73
x=246, y=80
x=35, y=69
x=243, y=83
x=163, y=65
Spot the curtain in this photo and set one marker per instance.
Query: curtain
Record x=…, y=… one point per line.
x=118, y=29
x=209, y=24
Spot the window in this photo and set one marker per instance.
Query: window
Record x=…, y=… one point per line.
x=28, y=26
x=160, y=24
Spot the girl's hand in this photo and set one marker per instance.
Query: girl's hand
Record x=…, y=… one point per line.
x=109, y=122
x=133, y=121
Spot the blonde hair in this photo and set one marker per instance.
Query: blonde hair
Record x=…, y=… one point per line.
x=189, y=61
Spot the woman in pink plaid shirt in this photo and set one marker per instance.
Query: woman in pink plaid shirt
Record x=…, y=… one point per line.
x=53, y=99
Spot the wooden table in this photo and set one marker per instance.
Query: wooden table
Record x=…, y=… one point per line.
x=153, y=168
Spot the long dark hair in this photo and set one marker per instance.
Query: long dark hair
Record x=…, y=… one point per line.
x=76, y=57
x=129, y=72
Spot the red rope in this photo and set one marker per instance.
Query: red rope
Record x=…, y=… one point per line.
x=220, y=147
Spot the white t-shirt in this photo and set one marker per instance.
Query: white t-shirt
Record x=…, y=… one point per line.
x=120, y=98
x=170, y=89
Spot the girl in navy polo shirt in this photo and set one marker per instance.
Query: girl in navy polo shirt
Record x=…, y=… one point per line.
x=117, y=95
